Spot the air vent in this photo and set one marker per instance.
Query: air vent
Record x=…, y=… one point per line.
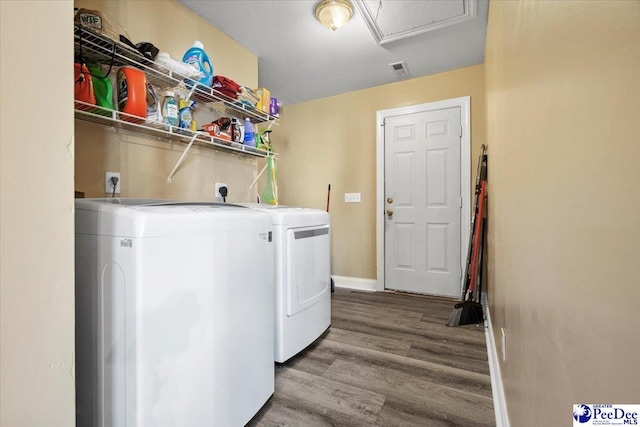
x=400, y=68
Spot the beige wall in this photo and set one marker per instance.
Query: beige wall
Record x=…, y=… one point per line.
x=333, y=141
x=564, y=145
x=36, y=215
x=145, y=163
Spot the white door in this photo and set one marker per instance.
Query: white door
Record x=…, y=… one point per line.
x=422, y=199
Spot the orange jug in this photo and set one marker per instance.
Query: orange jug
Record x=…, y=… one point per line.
x=132, y=93
x=83, y=88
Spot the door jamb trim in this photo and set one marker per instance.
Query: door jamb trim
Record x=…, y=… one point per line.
x=464, y=103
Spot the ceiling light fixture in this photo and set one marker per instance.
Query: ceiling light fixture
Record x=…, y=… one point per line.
x=334, y=14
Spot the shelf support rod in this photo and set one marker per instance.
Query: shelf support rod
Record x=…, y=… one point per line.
x=184, y=154
x=193, y=88
x=259, y=175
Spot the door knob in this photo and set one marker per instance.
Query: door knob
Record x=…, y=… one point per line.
x=389, y=200
x=389, y=213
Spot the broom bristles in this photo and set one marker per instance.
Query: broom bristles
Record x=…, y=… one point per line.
x=466, y=313
x=454, y=318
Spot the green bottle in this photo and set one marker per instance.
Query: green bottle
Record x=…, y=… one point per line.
x=102, y=89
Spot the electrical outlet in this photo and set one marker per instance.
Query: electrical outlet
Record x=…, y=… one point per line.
x=108, y=185
x=504, y=344
x=352, y=197
x=217, y=194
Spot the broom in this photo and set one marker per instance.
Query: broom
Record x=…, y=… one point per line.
x=469, y=311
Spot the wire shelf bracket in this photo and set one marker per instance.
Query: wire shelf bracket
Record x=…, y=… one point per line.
x=184, y=154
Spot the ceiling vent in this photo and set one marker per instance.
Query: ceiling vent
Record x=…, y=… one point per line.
x=400, y=68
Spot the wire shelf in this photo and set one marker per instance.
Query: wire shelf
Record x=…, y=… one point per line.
x=120, y=120
x=95, y=47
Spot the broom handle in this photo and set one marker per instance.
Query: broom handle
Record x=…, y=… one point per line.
x=481, y=260
x=483, y=235
x=480, y=173
x=476, y=235
x=328, y=196
x=465, y=277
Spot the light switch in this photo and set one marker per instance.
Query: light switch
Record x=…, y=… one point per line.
x=352, y=197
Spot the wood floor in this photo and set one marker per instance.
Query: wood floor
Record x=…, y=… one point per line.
x=387, y=360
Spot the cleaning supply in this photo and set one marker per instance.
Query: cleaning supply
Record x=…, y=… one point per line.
x=170, y=109
x=132, y=93
x=264, y=143
x=248, y=133
x=197, y=57
x=153, y=106
x=102, y=89
x=274, y=107
x=237, y=130
x=184, y=114
x=83, y=87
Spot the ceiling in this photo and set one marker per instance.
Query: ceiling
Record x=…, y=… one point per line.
x=300, y=60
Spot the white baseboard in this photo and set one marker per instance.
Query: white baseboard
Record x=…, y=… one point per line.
x=497, y=388
x=355, y=283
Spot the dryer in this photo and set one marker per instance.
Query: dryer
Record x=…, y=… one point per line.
x=171, y=322
x=302, y=276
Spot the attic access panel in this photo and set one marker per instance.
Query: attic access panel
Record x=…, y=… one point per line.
x=391, y=20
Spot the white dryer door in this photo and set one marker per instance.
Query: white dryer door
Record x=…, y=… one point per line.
x=307, y=267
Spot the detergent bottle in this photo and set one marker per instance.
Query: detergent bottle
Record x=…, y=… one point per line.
x=248, y=133
x=83, y=84
x=102, y=89
x=197, y=57
x=154, y=113
x=132, y=93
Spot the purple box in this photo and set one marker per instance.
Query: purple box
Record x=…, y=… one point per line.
x=273, y=107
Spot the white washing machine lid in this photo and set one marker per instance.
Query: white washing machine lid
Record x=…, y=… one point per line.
x=103, y=203
x=291, y=215
x=154, y=218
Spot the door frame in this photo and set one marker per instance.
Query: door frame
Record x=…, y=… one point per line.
x=464, y=103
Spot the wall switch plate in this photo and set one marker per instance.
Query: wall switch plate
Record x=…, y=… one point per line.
x=352, y=197
x=108, y=185
x=217, y=194
x=504, y=344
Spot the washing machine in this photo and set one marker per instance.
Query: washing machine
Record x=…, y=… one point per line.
x=303, y=282
x=172, y=328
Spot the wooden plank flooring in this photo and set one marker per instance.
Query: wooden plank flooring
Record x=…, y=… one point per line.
x=387, y=360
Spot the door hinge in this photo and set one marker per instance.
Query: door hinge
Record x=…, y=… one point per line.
x=460, y=201
x=460, y=131
x=382, y=123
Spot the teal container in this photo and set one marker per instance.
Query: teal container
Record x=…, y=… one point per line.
x=170, y=109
